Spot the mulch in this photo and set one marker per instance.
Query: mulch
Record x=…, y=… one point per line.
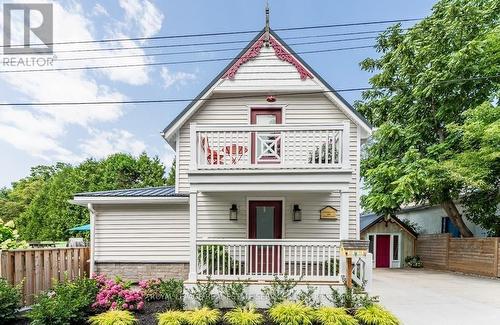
x=148, y=315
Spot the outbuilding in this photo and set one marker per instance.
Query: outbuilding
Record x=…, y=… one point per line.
x=391, y=240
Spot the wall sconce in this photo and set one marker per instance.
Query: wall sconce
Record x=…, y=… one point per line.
x=297, y=213
x=233, y=212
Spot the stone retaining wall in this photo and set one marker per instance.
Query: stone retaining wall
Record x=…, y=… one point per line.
x=143, y=271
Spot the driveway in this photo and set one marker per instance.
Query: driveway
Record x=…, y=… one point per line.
x=428, y=297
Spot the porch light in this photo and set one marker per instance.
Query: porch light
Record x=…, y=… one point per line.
x=233, y=212
x=297, y=213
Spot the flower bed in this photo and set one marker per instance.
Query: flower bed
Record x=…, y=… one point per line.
x=106, y=301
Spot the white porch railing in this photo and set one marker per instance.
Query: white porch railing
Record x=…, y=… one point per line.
x=269, y=146
x=256, y=259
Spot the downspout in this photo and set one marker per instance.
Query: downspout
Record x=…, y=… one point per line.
x=93, y=214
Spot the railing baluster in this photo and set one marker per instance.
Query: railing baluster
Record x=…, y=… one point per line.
x=239, y=259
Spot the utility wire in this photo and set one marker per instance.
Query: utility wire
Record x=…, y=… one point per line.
x=144, y=47
x=362, y=23
x=148, y=101
x=175, y=62
x=207, y=50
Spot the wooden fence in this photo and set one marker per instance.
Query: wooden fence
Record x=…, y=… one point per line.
x=468, y=255
x=39, y=268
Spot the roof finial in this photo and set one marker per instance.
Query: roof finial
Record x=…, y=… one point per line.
x=266, y=37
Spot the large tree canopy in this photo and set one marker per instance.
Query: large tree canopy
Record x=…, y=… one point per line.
x=39, y=203
x=434, y=103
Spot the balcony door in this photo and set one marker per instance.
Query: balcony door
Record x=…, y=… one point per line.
x=265, y=223
x=266, y=146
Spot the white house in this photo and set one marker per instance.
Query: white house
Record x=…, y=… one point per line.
x=267, y=182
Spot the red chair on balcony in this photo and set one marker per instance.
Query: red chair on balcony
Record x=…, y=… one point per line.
x=213, y=156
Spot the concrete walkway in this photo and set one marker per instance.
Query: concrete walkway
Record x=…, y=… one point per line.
x=427, y=297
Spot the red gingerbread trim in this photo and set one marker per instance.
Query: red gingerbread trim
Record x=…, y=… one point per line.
x=250, y=54
x=283, y=55
x=280, y=52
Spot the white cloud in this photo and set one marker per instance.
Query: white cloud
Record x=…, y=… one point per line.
x=144, y=15
x=104, y=143
x=99, y=10
x=167, y=158
x=181, y=78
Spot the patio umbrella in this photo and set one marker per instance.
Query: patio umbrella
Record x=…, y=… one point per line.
x=81, y=228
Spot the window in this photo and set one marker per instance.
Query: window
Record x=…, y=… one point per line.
x=395, y=247
x=370, y=245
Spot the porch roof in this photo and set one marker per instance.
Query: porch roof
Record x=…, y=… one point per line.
x=160, y=191
x=160, y=194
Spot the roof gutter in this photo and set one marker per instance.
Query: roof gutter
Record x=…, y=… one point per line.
x=86, y=200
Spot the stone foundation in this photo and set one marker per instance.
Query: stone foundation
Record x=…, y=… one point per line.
x=142, y=271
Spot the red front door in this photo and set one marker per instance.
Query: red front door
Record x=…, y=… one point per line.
x=383, y=243
x=265, y=223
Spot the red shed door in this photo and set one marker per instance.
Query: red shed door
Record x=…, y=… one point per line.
x=383, y=251
x=265, y=223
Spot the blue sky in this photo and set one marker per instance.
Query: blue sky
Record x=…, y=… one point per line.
x=33, y=135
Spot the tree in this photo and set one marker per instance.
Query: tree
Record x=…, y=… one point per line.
x=426, y=79
x=171, y=174
x=477, y=164
x=50, y=214
x=14, y=201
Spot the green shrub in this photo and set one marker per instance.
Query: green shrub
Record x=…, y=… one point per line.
x=307, y=297
x=216, y=258
x=414, y=261
x=172, y=291
x=280, y=290
x=114, y=317
x=333, y=316
x=10, y=300
x=291, y=313
x=202, y=294
x=351, y=298
x=203, y=316
x=172, y=317
x=236, y=292
x=243, y=316
x=69, y=302
x=375, y=315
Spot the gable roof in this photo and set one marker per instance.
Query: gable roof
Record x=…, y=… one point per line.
x=370, y=220
x=331, y=92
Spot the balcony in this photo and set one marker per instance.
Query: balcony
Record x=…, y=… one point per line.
x=268, y=147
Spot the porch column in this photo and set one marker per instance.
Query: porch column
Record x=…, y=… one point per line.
x=344, y=215
x=192, y=236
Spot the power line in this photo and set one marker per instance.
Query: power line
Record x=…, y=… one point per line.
x=149, y=101
x=144, y=47
x=175, y=62
x=208, y=50
x=362, y=23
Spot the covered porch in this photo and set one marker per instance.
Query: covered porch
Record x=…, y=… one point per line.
x=256, y=236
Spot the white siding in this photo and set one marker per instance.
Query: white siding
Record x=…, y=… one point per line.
x=142, y=233
x=429, y=219
x=267, y=72
x=310, y=109
x=214, y=223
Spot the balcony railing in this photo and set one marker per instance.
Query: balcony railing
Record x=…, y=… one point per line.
x=269, y=146
x=255, y=259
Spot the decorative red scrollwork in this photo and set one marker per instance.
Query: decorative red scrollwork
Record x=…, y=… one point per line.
x=250, y=54
x=280, y=52
x=283, y=55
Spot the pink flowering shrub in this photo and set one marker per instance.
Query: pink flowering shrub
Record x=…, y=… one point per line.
x=117, y=295
x=151, y=289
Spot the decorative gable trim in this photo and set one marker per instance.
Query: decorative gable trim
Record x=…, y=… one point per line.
x=280, y=52
x=169, y=132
